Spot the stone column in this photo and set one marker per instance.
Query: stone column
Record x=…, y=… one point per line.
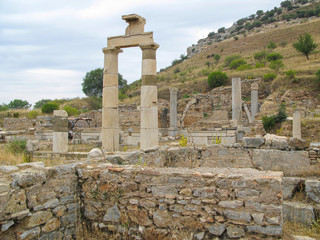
x=110, y=116
x=60, y=131
x=236, y=101
x=296, y=125
x=254, y=100
x=173, y=112
x=149, y=97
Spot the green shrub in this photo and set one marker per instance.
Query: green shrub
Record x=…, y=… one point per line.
x=229, y=59
x=33, y=114
x=16, y=146
x=217, y=57
x=16, y=115
x=260, y=55
x=244, y=67
x=71, y=111
x=49, y=107
x=122, y=95
x=237, y=63
x=318, y=76
x=186, y=96
x=94, y=102
x=291, y=74
x=270, y=121
x=3, y=107
x=271, y=45
x=217, y=79
x=276, y=64
x=269, y=77
x=260, y=64
x=274, y=56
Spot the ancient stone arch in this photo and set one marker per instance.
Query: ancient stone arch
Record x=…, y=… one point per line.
x=134, y=37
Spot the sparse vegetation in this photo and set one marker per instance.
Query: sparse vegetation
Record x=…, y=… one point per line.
x=270, y=121
x=274, y=56
x=260, y=55
x=272, y=45
x=229, y=59
x=269, y=77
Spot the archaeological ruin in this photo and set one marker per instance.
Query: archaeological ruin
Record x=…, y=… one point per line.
x=198, y=168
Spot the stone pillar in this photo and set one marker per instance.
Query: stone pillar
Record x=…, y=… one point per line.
x=236, y=101
x=173, y=112
x=254, y=100
x=60, y=131
x=110, y=115
x=296, y=125
x=149, y=97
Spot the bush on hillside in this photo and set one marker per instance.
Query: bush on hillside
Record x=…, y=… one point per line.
x=71, y=110
x=291, y=74
x=237, y=63
x=274, y=56
x=271, y=45
x=229, y=59
x=275, y=65
x=260, y=55
x=270, y=121
x=244, y=67
x=269, y=77
x=217, y=79
x=49, y=107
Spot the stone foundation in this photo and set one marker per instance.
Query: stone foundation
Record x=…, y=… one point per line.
x=50, y=203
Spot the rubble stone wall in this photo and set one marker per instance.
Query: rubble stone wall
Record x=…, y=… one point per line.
x=50, y=203
x=18, y=123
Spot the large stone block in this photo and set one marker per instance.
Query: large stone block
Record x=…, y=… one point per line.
x=289, y=184
x=149, y=67
x=149, y=96
x=298, y=213
x=110, y=118
x=291, y=163
x=110, y=139
x=130, y=40
x=110, y=97
x=149, y=117
x=149, y=137
x=313, y=190
x=60, y=142
x=110, y=80
x=253, y=142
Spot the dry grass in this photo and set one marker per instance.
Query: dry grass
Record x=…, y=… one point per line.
x=291, y=229
x=8, y=158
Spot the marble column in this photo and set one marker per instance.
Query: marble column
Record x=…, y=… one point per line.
x=149, y=97
x=60, y=131
x=254, y=100
x=236, y=101
x=110, y=113
x=296, y=125
x=173, y=112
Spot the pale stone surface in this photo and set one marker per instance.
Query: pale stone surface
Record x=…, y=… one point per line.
x=173, y=112
x=130, y=40
x=296, y=125
x=60, y=142
x=111, y=60
x=32, y=145
x=254, y=100
x=217, y=229
x=253, y=142
x=110, y=97
x=289, y=184
x=149, y=117
x=136, y=24
x=110, y=118
x=149, y=137
x=291, y=163
x=110, y=80
x=236, y=100
x=113, y=214
x=60, y=113
x=313, y=190
x=149, y=97
x=149, y=67
x=110, y=139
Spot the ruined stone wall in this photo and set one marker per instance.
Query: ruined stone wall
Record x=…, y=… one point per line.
x=18, y=123
x=48, y=203
x=166, y=202
x=38, y=202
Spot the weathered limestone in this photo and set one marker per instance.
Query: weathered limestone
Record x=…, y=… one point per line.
x=136, y=24
x=236, y=101
x=173, y=112
x=254, y=100
x=296, y=126
x=60, y=131
x=149, y=98
x=110, y=116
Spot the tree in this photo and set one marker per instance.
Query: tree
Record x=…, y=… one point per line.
x=305, y=44
x=49, y=107
x=40, y=103
x=3, y=107
x=92, y=84
x=19, y=104
x=259, y=13
x=217, y=79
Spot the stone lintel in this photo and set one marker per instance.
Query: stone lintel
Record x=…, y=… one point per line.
x=133, y=40
x=112, y=50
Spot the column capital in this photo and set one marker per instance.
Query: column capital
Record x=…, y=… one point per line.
x=254, y=86
x=112, y=50
x=151, y=45
x=173, y=90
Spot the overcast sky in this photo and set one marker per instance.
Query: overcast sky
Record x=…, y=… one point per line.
x=47, y=46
